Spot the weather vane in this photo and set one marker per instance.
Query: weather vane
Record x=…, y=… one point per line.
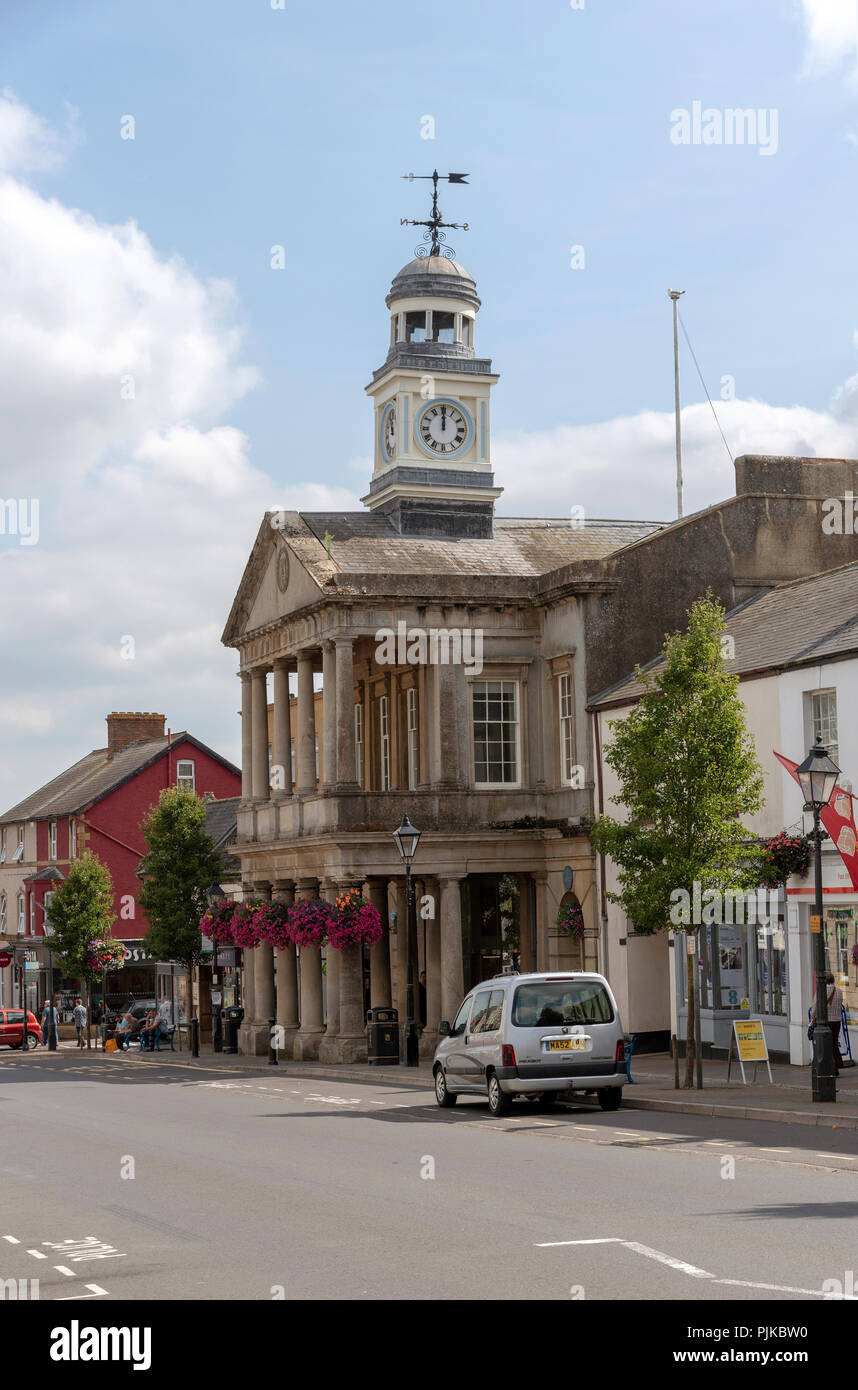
x=434, y=235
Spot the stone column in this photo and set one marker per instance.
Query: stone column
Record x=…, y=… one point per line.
x=259, y=705
x=306, y=732
x=525, y=925
x=542, y=950
x=329, y=715
x=452, y=974
x=328, y=1049
x=433, y=970
x=281, y=753
x=246, y=1034
x=246, y=738
x=346, y=713
x=351, y=1042
x=309, y=1035
x=263, y=984
x=286, y=977
x=396, y=889
x=379, y=956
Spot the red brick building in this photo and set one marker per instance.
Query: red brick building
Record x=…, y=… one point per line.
x=98, y=804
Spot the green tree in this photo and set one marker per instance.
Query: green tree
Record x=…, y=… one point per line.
x=181, y=865
x=687, y=772
x=81, y=916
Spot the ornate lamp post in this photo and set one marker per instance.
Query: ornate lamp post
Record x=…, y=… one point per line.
x=215, y=896
x=817, y=777
x=407, y=839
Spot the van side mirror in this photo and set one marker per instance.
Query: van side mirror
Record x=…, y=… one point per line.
x=443, y=1029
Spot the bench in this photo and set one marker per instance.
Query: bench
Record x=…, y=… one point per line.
x=168, y=1034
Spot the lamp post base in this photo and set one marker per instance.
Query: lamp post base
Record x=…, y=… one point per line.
x=823, y=1073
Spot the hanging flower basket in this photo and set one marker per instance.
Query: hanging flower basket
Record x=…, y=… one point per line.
x=309, y=922
x=570, y=919
x=783, y=856
x=104, y=953
x=275, y=926
x=354, y=922
x=245, y=925
x=216, y=924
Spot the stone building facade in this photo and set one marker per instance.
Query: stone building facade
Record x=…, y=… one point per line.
x=450, y=648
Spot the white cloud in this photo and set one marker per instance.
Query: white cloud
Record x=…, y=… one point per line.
x=27, y=141
x=831, y=33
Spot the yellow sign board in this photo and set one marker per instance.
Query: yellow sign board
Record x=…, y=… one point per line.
x=750, y=1040
x=815, y=923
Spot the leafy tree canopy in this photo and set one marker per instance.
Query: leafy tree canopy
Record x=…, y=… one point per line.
x=181, y=865
x=81, y=912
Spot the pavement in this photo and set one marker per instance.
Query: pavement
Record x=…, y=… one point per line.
x=166, y=1177
x=786, y=1099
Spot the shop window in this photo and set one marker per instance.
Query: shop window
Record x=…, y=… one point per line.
x=770, y=967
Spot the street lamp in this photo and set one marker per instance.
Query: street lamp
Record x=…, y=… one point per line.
x=407, y=839
x=216, y=895
x=817, y=777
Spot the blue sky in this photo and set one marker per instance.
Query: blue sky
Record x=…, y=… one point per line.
x=257, y=126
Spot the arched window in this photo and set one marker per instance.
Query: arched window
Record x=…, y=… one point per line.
x=569, y=915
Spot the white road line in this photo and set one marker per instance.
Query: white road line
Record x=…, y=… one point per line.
x=663, y=1259
x=62, y=1269
x=12, y=1240
x=37, y=1254
x=721, y=1143
x=850, y=1158
x=775, y=1151
x=79, y=1297
x=785, y=1288
x=95, y=1288
x=598, y=1240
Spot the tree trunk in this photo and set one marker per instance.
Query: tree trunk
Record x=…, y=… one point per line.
x=690, y=1026
x=88, y=1015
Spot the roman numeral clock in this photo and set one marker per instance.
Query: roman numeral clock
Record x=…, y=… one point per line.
x=432, y=395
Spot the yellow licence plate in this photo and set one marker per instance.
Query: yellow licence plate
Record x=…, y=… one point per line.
x=566, y=1045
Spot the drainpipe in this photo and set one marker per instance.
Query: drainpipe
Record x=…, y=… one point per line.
x=603, y=936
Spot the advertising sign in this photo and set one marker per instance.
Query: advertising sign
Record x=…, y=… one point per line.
x=749, y=1040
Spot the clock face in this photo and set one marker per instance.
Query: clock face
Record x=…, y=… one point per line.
x=388, y=430
x=444, y=428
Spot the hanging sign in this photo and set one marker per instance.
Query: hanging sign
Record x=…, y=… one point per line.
x=749, y=1040
x=815, y=923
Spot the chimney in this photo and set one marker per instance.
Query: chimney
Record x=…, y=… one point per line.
x=125, y=729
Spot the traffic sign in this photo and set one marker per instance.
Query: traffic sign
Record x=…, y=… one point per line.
x=5, y=959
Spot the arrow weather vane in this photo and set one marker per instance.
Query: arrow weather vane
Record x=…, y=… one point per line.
x=434, y=234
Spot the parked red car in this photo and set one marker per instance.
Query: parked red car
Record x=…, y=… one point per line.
x=12, y=1026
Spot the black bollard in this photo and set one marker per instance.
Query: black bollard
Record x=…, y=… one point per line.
x=195, y=1037
x=272, y=1043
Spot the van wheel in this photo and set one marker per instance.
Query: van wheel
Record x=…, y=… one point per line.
x=445, y=1098
x=500, y=1102
x=610, y=1097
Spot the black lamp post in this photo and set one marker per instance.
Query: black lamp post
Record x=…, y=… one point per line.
x=216, y=895
x=407, y=839
x=817, y=777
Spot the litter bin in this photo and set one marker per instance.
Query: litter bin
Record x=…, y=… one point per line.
x=382, y=1037
x=231, y=1018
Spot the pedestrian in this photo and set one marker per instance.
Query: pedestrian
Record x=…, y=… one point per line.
x=50, y=1019
x=79, y=1017
x=834, y=1002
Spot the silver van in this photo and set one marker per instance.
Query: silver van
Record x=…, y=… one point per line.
x=543, y=1036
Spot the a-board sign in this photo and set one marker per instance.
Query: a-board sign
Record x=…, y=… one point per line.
x=749, y=1041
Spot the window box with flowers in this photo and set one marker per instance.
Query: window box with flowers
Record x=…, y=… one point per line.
x=782, y=856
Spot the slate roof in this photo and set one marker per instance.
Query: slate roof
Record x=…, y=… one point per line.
x=95, y=776
x=222, y=826
x=366, y=543
x=800, y=622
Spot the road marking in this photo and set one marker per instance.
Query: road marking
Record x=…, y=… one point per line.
x=12, y=1240
x=596, y=1240
x=850, y=1158
x=62, y=1269
x=722, y=1143
x=786, y=1288
x=775, y=1151
x=37, y=1254
x=78, y=1297
x=661, y=1258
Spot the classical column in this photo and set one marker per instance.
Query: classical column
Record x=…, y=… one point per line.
x=246, y=1031
x=346, y=713
x=379, y=956
x=351, y=1043
x=452, y=974
x=542, y=949
x=306, y=733
x=246, y=737
x=259, y=705
x=524, y=923
x=309, y=1035
x=286, y=976
x=433, y=967
x=330, y=693
x=328, y=1049
x=281, y=754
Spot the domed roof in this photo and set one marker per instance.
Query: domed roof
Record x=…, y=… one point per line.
x=434, y=277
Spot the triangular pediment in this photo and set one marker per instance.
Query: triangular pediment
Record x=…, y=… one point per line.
x=275, y=582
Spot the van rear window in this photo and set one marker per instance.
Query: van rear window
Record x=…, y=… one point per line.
x=556, y=1002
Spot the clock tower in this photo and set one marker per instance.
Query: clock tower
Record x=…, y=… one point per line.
x=432, y=472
